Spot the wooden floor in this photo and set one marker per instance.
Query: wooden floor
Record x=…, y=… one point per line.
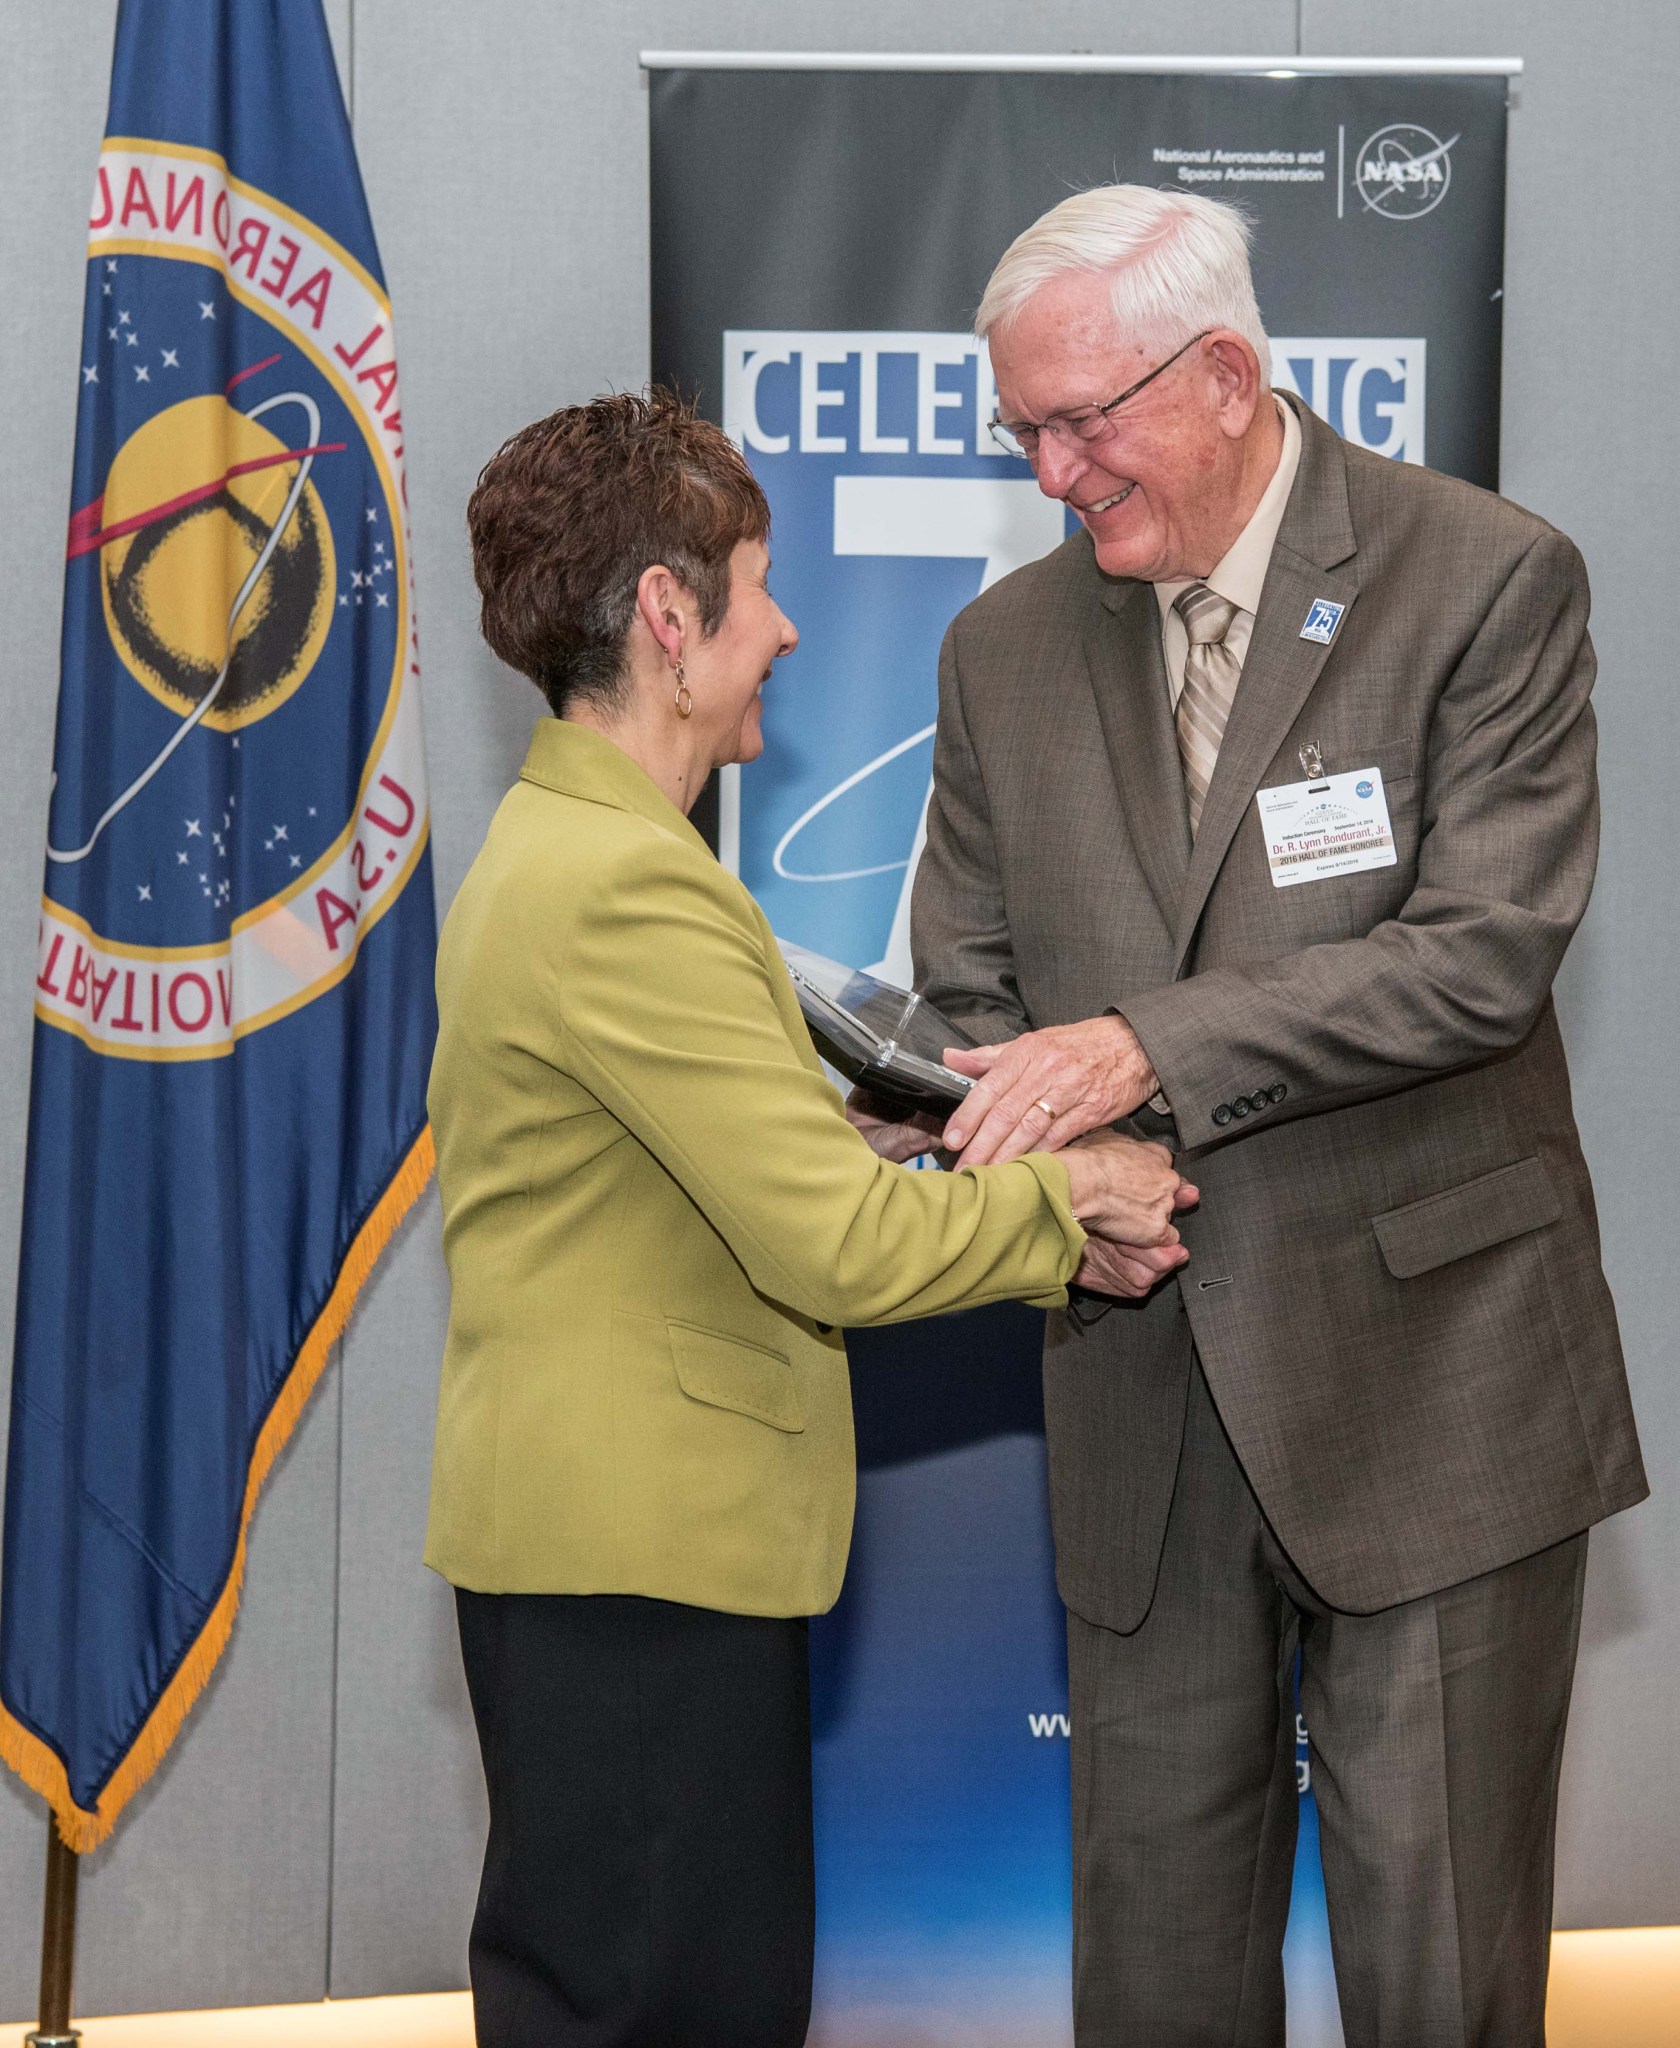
x=1612, y=1989
x=1615, y=1988
x=440, y=2021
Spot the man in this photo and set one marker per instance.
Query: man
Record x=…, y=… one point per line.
x=1376, y=1412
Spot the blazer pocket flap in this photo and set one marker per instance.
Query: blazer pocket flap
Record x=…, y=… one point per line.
x=734, y=1373
x=1396, y=758
x=1466, y=1219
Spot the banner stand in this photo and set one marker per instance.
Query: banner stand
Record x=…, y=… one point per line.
x=1083, y=66
x=822, y=228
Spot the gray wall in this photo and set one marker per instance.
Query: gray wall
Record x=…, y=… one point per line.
x=318, y=1829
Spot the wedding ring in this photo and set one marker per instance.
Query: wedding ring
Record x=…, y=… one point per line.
x=1040, y=1103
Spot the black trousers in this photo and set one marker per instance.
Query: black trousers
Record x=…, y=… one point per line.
x=1436, y=1730
x=648, y=1879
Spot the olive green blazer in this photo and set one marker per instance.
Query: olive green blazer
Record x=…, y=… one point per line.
x=656, y=1218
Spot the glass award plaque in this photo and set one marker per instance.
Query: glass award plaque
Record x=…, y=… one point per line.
x=886, y=1039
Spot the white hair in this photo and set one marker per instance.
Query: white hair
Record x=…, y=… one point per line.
x=1179, y=265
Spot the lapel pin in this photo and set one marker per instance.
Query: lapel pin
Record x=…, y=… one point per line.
x=1322, y=621
x=1311, y=760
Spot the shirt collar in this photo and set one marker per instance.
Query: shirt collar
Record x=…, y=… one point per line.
x=1240, y=574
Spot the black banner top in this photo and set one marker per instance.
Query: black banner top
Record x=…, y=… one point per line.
x=1378, y=203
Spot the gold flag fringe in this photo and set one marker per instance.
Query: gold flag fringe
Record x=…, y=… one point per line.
x=38, y=1765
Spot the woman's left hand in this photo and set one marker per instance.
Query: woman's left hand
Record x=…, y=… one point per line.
x=887, y=1135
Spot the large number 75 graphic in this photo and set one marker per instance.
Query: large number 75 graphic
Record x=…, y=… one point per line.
x=1000, y=522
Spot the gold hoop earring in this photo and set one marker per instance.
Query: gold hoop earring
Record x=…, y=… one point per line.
x=684, y=700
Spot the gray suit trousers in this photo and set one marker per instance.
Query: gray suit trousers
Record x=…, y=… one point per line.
x=1436, y=1730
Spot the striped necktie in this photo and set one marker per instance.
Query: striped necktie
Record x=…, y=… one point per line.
x=1211, y=672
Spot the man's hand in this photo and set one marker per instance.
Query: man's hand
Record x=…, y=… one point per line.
x=1046, y=1087
x=1131, y=1271
x=885, y=1135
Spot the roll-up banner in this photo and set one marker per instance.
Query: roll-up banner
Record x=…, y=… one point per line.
x=822, y=230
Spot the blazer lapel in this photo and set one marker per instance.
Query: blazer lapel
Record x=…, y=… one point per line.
x=1129, y=681
x=1313, y=558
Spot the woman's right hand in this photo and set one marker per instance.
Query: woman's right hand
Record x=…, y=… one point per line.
x=886, y=1130
x=1126, y=1190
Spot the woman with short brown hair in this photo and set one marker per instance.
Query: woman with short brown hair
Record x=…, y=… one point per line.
x=656, y=1217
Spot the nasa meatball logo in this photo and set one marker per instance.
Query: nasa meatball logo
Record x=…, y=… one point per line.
x=181, y=550
x=1403, y=171
x=249, y=797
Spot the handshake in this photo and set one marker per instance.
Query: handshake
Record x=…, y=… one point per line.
x=1055, y=1089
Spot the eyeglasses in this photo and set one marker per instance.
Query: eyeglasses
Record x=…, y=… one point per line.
x=1089, y=423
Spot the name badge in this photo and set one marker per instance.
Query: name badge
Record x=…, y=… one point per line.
x=1333, y=826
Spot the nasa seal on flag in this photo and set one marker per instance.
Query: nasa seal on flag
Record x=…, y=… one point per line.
x=239, y=597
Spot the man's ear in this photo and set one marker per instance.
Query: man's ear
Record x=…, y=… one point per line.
x=1236, y=369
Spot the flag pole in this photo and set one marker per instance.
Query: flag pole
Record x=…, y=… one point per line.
x=58, y=1944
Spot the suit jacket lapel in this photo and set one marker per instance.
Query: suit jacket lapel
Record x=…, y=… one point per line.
x=1313, y=558
x=1129, y=681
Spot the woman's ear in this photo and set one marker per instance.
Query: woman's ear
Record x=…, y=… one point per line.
x=663, y=605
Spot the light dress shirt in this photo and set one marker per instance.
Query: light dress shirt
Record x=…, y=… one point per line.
x=1241, y=570
x=1238, y=577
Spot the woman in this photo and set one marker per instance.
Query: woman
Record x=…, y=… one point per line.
x=657, y=1219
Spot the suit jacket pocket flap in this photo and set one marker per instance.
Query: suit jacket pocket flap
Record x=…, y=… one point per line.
x=1396, y=758
x=1465, y=1219
x=733, y=1372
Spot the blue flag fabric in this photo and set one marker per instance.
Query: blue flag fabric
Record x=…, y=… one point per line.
x=234, y=985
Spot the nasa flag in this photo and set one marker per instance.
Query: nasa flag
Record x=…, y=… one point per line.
x=234, y=1010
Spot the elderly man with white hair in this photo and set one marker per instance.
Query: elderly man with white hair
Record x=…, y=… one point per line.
x=1264, y=810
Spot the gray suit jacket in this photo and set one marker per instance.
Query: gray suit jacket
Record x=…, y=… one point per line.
x=1395, y=1284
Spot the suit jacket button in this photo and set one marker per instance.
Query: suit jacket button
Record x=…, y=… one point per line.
x=1222, y=1115
x=1277, y=1091
x=1240, y=1106
x=1259, y=1100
